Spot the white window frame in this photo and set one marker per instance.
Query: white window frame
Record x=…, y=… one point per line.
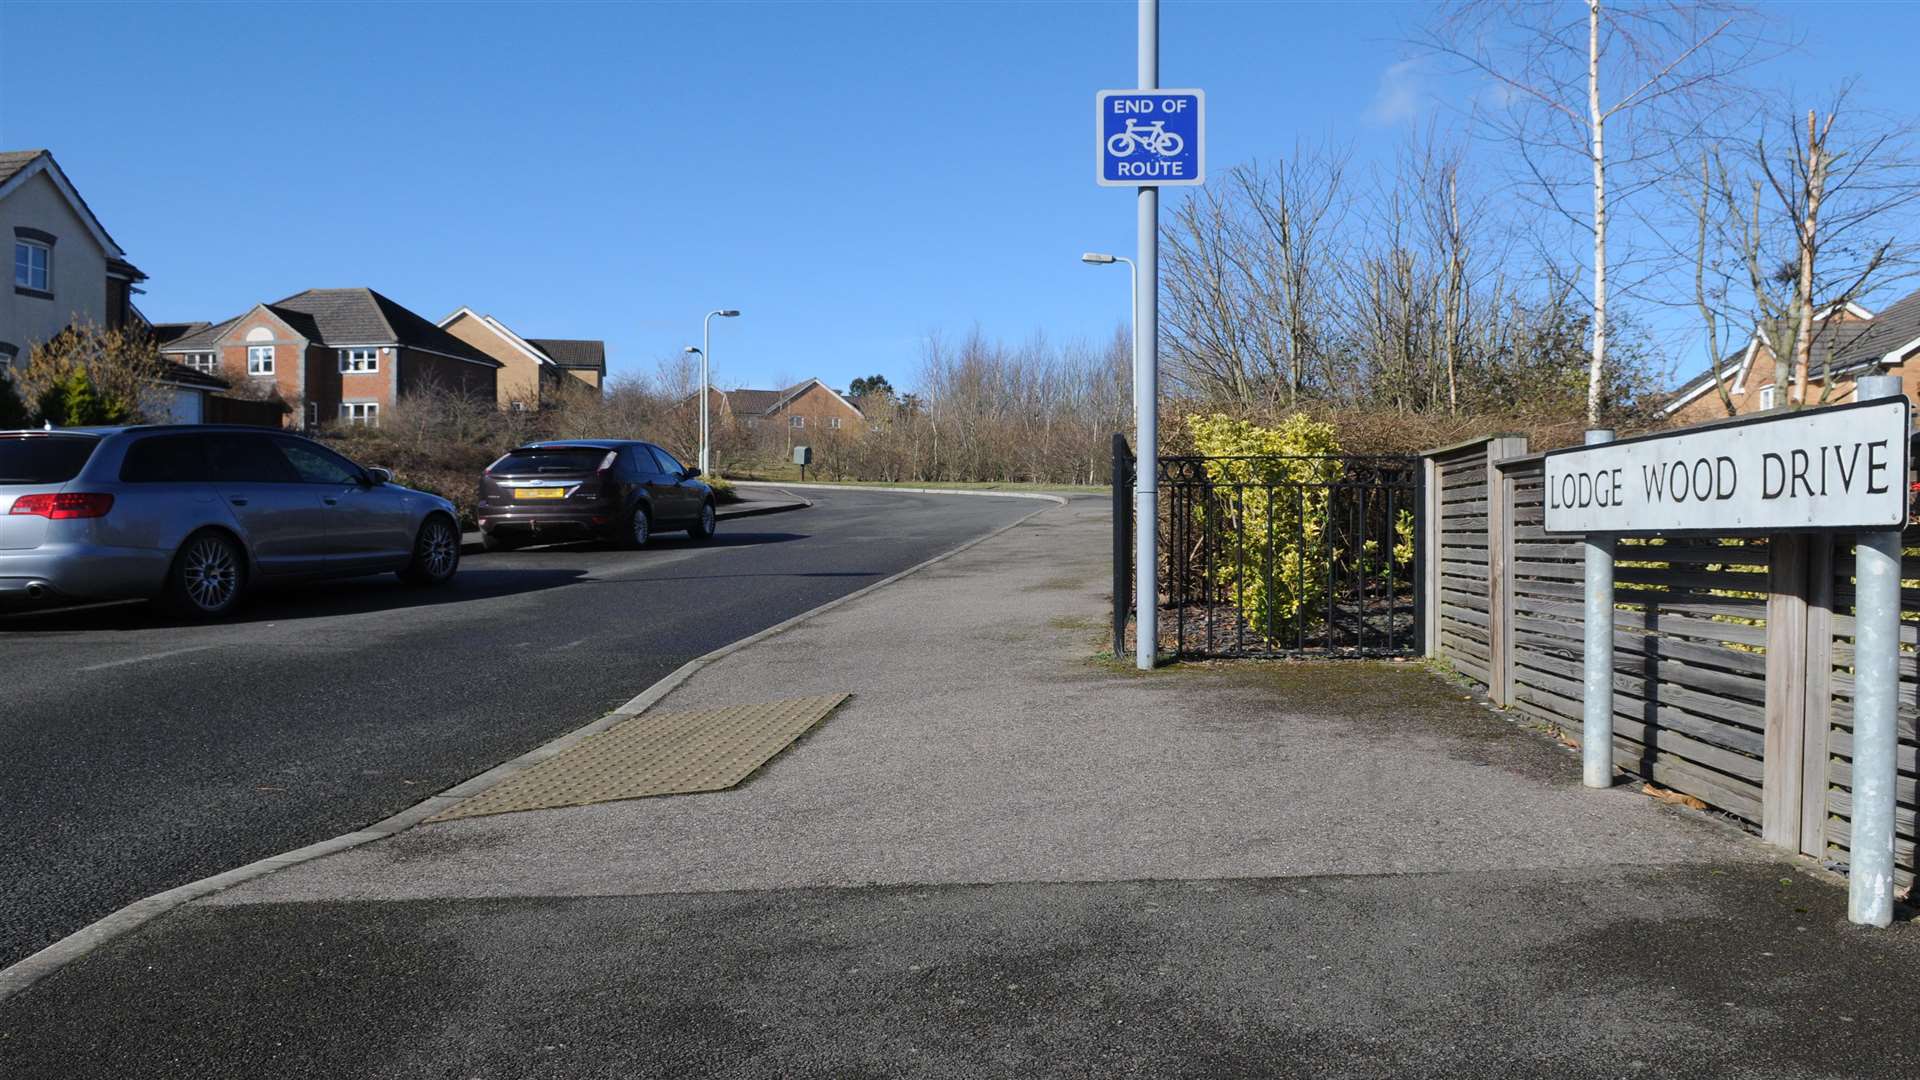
x=205, y=363
x=21, y=243
x=516, y=406
x=833, y=422
x=360, y=413
x=797, y=423
x=259, y=359
x=359, y=361
x=1769, y=396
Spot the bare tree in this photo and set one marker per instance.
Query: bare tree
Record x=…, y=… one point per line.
x=1820, y=212
x=1248, y=298
x=1607, y=93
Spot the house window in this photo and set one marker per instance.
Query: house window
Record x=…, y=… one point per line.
x=833, y=422
x=259, y=359
x=1767, y=396
x=204, y=362
x=796, y=422
x=313, y=415
x=753, y=422
x=32, y=265
x=357, y=361
x=363, y=413
x=517, y=406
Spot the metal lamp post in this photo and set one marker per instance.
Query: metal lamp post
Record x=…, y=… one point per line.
x=706, y=386
x=1096, y=258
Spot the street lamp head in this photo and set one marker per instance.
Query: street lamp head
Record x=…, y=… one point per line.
x=693, y=349
x=1097, y=259
x=728, y=313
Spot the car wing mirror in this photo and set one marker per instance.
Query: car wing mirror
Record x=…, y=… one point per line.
x=378, y=476
x=689, y=473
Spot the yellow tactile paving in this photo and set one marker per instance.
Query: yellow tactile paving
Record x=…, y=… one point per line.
x=667, y=753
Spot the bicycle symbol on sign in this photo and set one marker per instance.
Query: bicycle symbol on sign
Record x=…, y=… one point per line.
x=1138, y=136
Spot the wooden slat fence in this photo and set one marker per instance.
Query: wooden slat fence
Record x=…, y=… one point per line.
x=1461, y=567
x=1695, y=708
x=1689, y=650
x=1835, y=752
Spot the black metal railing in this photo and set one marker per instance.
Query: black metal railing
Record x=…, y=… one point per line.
x=1287, y=556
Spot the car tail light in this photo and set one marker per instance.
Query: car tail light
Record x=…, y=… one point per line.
x=61, y=507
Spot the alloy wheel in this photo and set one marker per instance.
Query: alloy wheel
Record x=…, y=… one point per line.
x=210, y=573
x=642, y=528
x=438, y=549
x=707, y=518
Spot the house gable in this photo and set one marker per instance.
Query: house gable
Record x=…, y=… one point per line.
x=19, y=168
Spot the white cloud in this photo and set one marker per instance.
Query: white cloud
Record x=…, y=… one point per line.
x=1402, y=95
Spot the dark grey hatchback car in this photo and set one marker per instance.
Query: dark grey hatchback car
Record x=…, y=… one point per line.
x=621, y=490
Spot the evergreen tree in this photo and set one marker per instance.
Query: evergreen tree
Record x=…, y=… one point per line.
x=13, y=411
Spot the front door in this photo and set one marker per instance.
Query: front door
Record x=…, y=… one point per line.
x=674, y=499
x=367, y=525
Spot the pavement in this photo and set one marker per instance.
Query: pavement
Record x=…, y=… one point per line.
x=138, y=754
x=1005, y=856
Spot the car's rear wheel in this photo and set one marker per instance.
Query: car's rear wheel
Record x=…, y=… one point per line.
x=436, y=553
x=208, y=577
x=703, y=528
x=639, y=528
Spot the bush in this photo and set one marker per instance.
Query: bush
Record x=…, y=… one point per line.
x=13, y=411
x=1270, y=500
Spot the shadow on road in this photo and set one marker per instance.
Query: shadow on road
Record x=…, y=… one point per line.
x=722, y=539
x=490, y=576
x=314, y=600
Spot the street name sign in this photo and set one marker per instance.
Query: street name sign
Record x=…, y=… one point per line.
x=1843, y=467
x=1151, y=138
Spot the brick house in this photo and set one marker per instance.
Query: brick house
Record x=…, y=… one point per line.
x=1849, y=342
x=336, y=355
x=581, y=358
x=66, y=268
x=531, y=368
x=800, y=414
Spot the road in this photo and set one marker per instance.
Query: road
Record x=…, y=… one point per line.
x=138, y=755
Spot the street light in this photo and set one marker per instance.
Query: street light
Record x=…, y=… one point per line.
x=1095, y=258
x=706, y=388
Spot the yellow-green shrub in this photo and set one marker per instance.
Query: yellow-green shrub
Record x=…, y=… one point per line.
x=1268, y=482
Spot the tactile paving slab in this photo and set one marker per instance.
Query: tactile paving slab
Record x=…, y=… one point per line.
x=665, y=753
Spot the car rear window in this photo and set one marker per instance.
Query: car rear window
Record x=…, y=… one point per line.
x=559, y=460
x=44, y=459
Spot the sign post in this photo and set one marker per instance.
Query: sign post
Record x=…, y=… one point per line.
x=1840, y=468
x=1876, y=692
x=1596, y=730
x=1147, y=138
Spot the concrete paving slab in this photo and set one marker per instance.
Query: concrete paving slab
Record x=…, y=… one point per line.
x=982, y=745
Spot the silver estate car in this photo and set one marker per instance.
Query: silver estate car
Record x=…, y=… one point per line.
x=193, y=516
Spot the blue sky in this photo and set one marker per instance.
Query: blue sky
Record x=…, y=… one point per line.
x=853, y=176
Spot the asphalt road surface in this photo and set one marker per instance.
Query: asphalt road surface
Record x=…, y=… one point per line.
x=137, y=755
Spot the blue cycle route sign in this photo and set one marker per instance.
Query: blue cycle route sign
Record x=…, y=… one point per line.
x=1151, y=138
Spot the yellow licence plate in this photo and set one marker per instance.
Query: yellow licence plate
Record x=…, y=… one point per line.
x=539, y=493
